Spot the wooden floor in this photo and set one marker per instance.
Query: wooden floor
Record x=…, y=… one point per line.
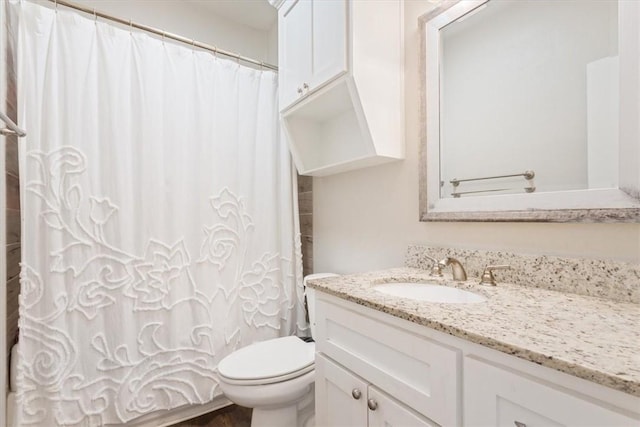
x=231, y=416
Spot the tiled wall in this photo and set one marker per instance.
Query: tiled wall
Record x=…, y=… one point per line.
x=12, y=204
x=305, y=206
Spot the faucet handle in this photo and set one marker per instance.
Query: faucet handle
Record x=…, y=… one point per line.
x=436, y=268
x=488, y=278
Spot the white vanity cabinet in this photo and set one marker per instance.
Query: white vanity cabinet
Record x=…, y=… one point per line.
x=313, y=45
x=341, y=83
x=497, y=396
x=418, y=376
x=345, y=400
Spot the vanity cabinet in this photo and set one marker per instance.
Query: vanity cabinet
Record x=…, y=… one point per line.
x=313, y=46
x=422, y=377
x=344, y=399
x=341, y=83
x=497, y=396
x=419, y=377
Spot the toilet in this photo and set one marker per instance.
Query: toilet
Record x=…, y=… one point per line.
x=275, y=377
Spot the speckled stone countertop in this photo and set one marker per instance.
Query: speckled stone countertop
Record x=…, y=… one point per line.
x=591, y=338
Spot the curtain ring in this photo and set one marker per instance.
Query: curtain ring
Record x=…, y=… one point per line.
x=95, y=16
x=130, y=26
x=163, y=34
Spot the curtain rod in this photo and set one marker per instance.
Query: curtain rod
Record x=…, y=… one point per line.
x=97, y=14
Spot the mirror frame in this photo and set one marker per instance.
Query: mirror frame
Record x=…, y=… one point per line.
x=591, y=205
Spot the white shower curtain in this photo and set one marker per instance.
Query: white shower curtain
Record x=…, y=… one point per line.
x=159, y=229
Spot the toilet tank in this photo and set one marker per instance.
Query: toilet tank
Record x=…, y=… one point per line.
x=311, y=298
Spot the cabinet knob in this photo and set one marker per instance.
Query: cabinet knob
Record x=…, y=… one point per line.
x=519, y=424
x=305, y=86
x=356, y=393
x=299, y=91
x=373, y=405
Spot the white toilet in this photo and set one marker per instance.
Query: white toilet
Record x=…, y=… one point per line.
x=275, y=377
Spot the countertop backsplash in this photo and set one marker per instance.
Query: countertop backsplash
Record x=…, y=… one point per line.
x=618, y=281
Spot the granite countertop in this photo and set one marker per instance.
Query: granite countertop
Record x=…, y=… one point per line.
x=591, y=338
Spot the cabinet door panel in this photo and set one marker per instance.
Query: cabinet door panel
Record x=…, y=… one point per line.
x=329, y=50
x=496, y=396
x=391, y=413
x=295, y=49
x=335, y=403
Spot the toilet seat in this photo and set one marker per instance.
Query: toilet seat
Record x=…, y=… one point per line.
x=268, y=362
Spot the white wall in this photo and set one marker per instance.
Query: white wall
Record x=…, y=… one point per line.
x=193, y=21
x=363, y=220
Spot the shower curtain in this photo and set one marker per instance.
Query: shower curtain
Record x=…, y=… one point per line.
x=159, y=228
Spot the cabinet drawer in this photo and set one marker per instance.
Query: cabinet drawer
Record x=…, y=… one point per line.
x=418, y=372
x=497, y=396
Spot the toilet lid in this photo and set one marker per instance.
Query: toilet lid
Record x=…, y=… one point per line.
x=270, y=359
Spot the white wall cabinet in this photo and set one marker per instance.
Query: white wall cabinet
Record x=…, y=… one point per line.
x=341, y=87
x=313, y=46
x=346, y=400
x=294, y=50
x=421, y=377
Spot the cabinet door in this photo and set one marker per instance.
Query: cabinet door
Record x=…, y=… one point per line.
x=387, y=412
x=329, y=41
x=341, y=397
x=494, y=396
x=294, y=40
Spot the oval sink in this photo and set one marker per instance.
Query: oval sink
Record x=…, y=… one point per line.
x=429, y=293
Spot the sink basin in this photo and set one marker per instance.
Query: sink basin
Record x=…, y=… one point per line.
x=429, y=293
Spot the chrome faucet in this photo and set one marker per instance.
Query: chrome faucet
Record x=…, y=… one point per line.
x=456, y=267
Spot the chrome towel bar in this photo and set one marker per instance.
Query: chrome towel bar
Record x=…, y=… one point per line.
x=525, y=174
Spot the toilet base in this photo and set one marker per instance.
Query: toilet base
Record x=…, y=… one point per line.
x=300, y=414
x=281, y=417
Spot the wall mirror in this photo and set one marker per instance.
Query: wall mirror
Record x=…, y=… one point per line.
x=531, y=111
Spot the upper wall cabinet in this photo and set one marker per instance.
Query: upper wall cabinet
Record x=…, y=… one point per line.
x=341, y=88
x=314, y=46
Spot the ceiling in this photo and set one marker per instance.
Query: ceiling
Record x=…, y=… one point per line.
x=258, y=14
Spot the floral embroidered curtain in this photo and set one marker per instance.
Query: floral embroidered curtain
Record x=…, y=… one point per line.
x=159, y=229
